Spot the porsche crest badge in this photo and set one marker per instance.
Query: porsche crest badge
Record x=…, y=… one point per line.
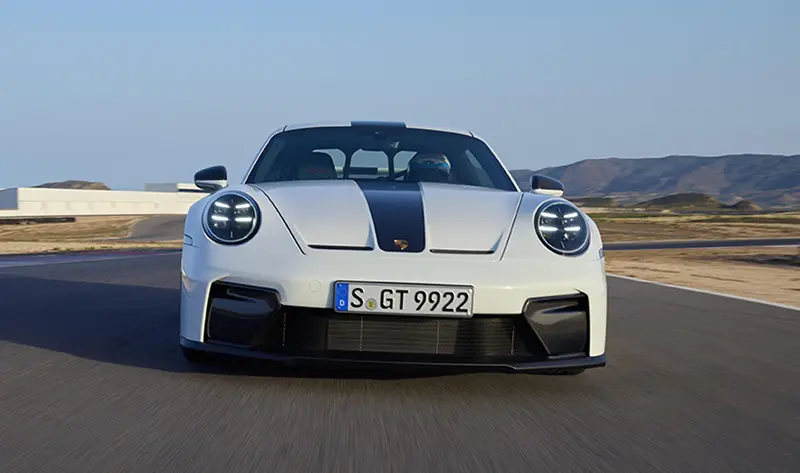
x=401, y=244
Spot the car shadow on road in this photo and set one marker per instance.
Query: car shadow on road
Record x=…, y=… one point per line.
x=132, y=325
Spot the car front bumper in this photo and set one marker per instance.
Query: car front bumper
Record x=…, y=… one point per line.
x=305, y=282
x=546, y=333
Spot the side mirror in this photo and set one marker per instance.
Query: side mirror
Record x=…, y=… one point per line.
x=211, y=179
x=546, y=185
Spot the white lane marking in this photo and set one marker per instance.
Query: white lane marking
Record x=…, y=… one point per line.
x=48, y=259
x=704, y=291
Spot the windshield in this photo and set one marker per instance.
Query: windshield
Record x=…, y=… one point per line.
x=379, y=153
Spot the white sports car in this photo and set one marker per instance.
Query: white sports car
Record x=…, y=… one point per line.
x=379, y=242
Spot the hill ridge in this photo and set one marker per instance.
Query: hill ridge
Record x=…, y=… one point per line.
x=768, y=180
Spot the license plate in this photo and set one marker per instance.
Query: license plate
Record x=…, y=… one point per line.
x=403, y=299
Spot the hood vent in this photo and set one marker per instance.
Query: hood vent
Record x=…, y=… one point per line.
x=341, y=247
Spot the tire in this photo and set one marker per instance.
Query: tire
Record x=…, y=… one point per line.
x=197, y=356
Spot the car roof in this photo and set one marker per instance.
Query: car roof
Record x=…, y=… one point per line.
x=368, y=123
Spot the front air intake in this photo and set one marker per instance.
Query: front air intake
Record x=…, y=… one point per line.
x=240, y=315
x=561, y=323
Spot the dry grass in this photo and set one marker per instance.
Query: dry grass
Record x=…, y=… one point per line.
x=767, y=273
x=699, y=227
x=82, y=230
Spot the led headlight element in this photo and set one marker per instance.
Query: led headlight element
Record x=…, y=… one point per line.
x=230, y=218
x=562, y=228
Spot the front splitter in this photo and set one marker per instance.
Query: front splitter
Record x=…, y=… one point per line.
x=585, y=362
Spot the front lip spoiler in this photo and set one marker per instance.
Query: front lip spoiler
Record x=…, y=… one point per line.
x=584, y=362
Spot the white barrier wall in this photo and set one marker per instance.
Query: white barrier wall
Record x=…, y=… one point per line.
x=36, y=202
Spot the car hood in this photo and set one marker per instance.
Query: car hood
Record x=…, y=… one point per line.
x=394, y=216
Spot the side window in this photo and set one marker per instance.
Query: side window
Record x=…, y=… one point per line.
x=478, y=171
x=401, y=160
x=369, y=164
x=338, y=159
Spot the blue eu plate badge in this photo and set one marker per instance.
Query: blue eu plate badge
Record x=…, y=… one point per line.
x=341, y=299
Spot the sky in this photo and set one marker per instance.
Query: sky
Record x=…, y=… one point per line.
x=129, y=93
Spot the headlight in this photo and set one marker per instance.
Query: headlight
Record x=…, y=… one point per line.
x=562, y=228
x=230, y=218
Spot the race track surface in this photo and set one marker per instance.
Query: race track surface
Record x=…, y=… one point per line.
x=91, y=379
x=158, y=228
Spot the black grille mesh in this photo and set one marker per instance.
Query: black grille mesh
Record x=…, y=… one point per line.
x=476, y=337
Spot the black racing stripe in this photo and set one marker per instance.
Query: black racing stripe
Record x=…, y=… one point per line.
x=397, y=214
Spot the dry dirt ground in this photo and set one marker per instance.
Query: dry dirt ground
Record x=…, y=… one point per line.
x=698, y=227
x=766, y=273
x=86, y=233
x=83, y=229
x=31, y=247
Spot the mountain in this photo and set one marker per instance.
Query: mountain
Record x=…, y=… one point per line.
x=695, y=201
x=765, y=180
x=595, y=201
x=688, y=201
x=745, y=206
x=75, y=185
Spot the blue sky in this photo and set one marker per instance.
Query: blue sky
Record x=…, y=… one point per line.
x=150, y=91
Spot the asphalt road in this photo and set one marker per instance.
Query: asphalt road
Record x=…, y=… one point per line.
x=91, y=379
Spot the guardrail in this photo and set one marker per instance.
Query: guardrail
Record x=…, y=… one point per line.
x=28, y=202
